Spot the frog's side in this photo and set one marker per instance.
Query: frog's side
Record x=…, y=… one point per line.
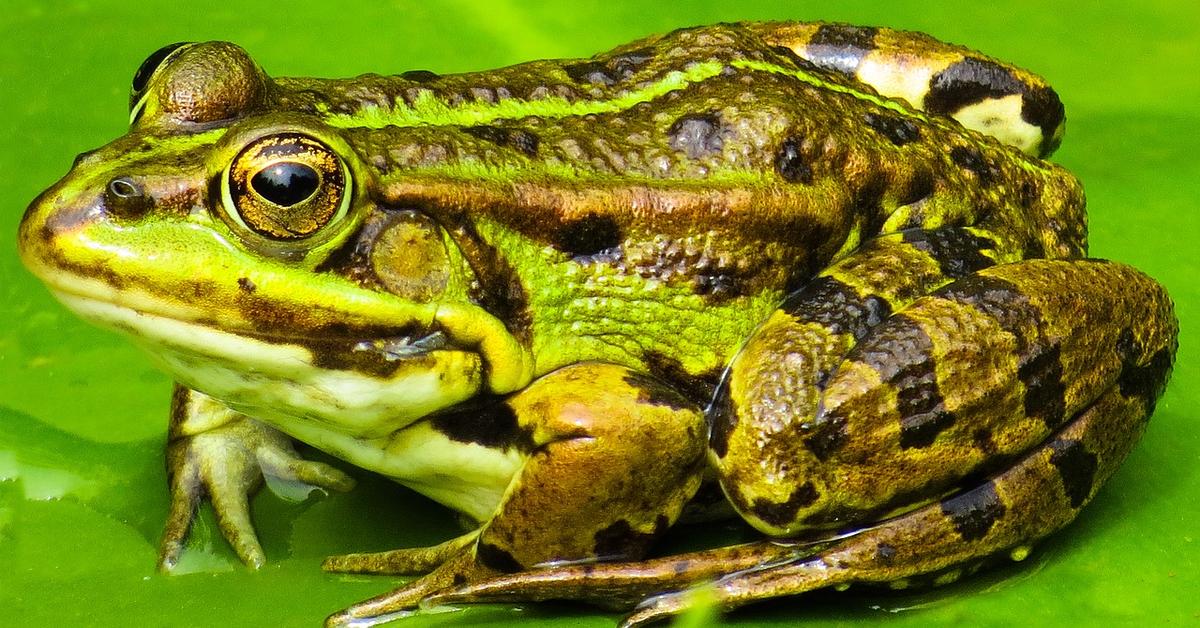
x=558, y=296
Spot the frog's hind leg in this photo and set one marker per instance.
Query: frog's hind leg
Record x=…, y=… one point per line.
x=980, y=92
x=1040, y=427
x=612, y=458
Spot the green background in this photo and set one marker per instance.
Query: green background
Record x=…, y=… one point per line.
x=82, y=414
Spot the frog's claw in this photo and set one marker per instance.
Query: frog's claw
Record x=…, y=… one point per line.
x=220, y=454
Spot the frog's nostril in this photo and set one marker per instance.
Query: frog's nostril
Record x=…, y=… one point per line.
x=82, y=157
x=125, y=198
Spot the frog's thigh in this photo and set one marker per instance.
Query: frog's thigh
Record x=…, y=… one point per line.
x=938, y=543
x=979, y=371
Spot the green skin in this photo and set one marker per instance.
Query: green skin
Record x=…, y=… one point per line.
x=560, y=297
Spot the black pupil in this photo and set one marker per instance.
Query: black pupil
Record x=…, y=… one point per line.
x=286, y=183
x=147, y=68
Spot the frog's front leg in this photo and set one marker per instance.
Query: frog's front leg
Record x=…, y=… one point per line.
x=613, y=457
x=222, y=454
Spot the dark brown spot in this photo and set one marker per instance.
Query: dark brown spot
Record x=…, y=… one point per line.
x=897, y=130
x=488, y=421
x=969, y=158
x=655, y=392
x=620, y=541
x=824, y=435
x=841, y=47
x=983, y=441
x=1076, y=468
x=493, y=557
x=591, y=235
x=521, y=140
x=1042, y=374
x=698, y=134
x=1147, y=381
x=956, y=251
x=791, y=162
x=246, y=285
x=590, y=72
x=420, y=76
x=782, y=514
x=722, y=420
x=884, y=553
x=697, y=388
x=836, y=306
x=974, y=512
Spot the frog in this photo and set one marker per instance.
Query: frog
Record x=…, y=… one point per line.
x=815, y=277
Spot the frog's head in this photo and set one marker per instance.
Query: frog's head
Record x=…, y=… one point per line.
x=240, y=243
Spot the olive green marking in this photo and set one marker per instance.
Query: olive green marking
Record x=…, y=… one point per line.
x=973, y=513
x=1076, y=468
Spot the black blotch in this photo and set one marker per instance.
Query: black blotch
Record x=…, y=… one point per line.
x=1042, y=108
x=605, y=73
x=493, y=557
x=918, y=188
x=967, y=82
x=983, y=441
x=781, y=514
x=499, y=289
x=722, y=420
x=831, y=303
x=974, y=512
x=521, y=140
x=825, y=435
x=1042, y=374
x=867, y=205
x=897, y=130
x=420, y=76
x=791, y=163
x=1076, y=468
x=488, y=421
x=697, y=134
x=956, y=251
x=246, y=285
x=885, y=553
x=620, y=541
x=590, y=235
x=1146, y=381
x=697, y=388
x=971, y=159
x=921, y=429
x=841, y=47
x=654, y=392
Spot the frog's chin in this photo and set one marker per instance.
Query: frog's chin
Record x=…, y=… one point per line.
x=365, y=389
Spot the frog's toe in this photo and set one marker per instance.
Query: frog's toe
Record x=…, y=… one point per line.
x=459, y=568
x=287, y=465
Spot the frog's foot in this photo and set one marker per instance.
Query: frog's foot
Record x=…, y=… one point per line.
x=932, y=545
x=221, y=454
x=613, y=457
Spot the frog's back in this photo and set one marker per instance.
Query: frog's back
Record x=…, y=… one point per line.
x=725, y=131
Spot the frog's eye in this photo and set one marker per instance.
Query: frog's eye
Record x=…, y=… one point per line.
x=141, y=78
x=286, y=187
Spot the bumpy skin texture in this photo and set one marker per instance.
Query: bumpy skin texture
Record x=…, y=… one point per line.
x=821, y=266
